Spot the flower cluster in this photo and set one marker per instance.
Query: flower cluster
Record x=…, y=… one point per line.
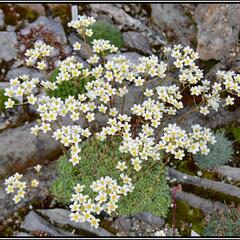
x=191, y=76
x=103, y=46
x=141, y=148
x=70, y=68
x=72, y=136
x=21, y=86
x=151, y=66
x=108, y=191
x=153, y=110
x=185, y=59
x=81, y=25
x=231, y=82
x=15, y=185
x=175, y=140
x=39, y=51
x=228, y=82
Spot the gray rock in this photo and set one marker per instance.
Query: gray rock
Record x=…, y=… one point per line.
x=171, y=19
x=19, y=148
x=18, y=63
x=131, y=56
x=136, y=41
x=207, y=206
x=151, y=219
x=194, y=234
x=33, y=222
x=8, y=41
x=4, y=125
x=85, y=51
x=2, y=23
x=4, y=85
x=61, y=216
x=216, y=186
x=119, y=15
x=232, y=172
x=16, y=72
x=123, y=224
x=218, y=29
x=54, y=26
x=10, y=28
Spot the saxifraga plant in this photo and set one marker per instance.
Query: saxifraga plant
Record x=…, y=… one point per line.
x=220, y=153
x=151, y=187
x=133, y=179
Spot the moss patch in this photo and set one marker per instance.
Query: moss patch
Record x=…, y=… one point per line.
x=3, y=99
x=187, y=216
x=67, y=88
x=107, y=31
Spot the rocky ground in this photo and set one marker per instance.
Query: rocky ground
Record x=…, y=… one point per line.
x=212, y=29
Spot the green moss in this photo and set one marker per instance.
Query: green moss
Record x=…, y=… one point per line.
x=67, y=88
x=3, y=99
x=65, y=181
x=99, y=159
x=104, y=30
x=186, y=215
x=187, y=166
x=235, y=132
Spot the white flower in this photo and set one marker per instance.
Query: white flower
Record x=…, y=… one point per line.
x=229, y=101
x=38, y=168
x=160, y=233
x=76, y=46
x=9, y=103
x=34, y=183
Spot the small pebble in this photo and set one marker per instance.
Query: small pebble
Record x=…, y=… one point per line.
x=148, y=230
x=160, y=233
x=9, y=220
x=16, y=214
